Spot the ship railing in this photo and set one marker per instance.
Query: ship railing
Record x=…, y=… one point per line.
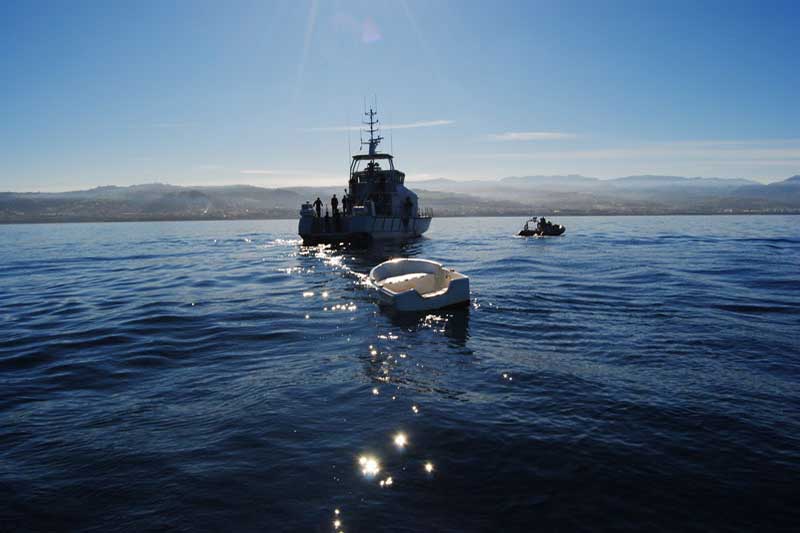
x=425, y=213
x=327, y=224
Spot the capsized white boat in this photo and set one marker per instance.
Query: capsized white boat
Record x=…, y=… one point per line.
x=419, y=285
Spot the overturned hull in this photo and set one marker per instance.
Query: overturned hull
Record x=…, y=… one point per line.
x=360, y=229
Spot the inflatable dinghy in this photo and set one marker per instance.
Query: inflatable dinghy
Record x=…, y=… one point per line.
x=541, y=229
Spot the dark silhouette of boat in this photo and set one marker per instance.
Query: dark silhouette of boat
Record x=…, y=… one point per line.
x=541, y=228
x=378, y=206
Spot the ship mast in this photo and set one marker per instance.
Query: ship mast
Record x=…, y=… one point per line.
x=374, y=140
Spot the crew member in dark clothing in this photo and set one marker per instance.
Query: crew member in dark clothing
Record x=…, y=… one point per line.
x=335, y=205
x=345, y=203
x=318, y=207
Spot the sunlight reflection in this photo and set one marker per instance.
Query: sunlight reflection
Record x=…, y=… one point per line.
x=344, y=307
x=436, y=323
x=295, y=270
x=429, y=467
x=369, y=465
x=337, y=522
x=400, y=440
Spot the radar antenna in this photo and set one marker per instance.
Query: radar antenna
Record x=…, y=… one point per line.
x=373, y=123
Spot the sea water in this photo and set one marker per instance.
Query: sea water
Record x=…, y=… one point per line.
x=637, y=373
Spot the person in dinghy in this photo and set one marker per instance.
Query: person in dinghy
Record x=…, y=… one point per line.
x=543, y=228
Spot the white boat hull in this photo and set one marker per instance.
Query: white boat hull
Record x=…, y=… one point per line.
x=419, y=285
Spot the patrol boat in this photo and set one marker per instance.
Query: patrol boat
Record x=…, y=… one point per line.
x=379, y=205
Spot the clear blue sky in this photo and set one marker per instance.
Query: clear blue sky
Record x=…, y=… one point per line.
x=196, y=92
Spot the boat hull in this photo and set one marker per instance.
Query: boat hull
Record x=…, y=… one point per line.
x=457, y=295
x=360, y=229
x=554, y=232
x=413, y=285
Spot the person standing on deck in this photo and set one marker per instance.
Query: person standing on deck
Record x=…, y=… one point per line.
x=335, y=205
x=318, y=207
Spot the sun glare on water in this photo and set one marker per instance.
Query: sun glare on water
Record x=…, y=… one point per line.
x=369, y=465
x=400, y=440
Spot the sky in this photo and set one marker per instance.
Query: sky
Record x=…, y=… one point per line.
x=265, y=93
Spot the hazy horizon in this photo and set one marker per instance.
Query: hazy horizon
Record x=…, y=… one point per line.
x=196, y=93
x=342, y=182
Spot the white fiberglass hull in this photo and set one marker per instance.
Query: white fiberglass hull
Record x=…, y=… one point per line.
x=419, y=285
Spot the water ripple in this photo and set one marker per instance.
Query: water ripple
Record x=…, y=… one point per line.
x=637, y=373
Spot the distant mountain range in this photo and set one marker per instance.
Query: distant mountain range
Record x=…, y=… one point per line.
x=575, y=194
x=518, y=195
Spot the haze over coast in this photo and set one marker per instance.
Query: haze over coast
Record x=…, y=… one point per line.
x=518, y=196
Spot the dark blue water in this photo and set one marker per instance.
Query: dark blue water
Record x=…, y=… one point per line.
x=637, y=373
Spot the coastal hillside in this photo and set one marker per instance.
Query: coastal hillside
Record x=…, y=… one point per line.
x=573, y=195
